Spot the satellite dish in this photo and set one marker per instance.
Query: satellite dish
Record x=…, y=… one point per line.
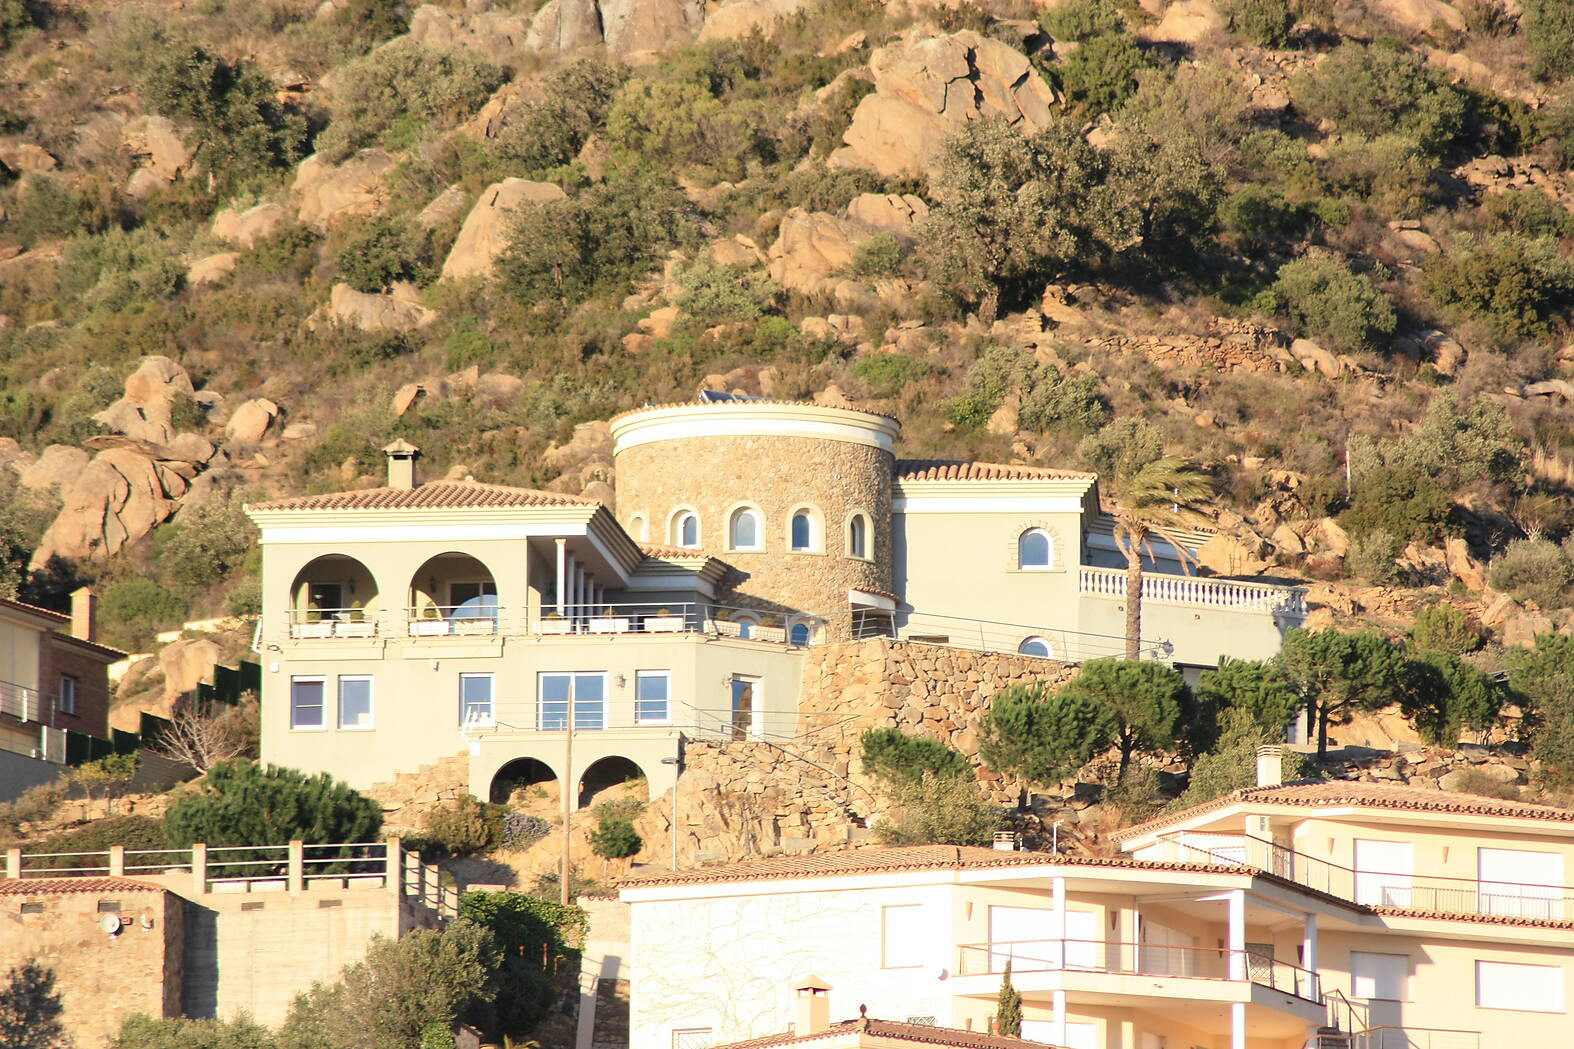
x=110, y=923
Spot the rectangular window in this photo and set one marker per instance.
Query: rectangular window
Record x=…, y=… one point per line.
x=306, y=702
x=355, y=703
x=475, y=700
x=745, y=723
x=68, y=694
x=902, y=936
x=1528, y=988
x=652, y=693
x=585, y=693
x=1380, y=976
x=1384, y=873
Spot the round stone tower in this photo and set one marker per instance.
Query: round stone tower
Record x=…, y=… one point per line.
x=797, y=497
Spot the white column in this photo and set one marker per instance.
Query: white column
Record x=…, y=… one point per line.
x=1058, y=1031
x=1057, y=892
x=1309, y=954
x=562, y=575
x=1237, y=1025
x=1237, y=934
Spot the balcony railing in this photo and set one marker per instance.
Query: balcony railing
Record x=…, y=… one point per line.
x=1414, y=1038
x=1139, y=959
x=23, y=703
x=1428, y=893
x=1198, y=592
x=332, y=622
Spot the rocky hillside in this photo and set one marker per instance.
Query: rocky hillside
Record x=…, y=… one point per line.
x=1319, y=246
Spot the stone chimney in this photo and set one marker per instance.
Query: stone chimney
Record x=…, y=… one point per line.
x=811, y=1007
x=84, y=614
x=1270, y=765
x=401, y=464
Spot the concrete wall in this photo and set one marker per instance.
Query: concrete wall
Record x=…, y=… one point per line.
x=1200, y=636
x=101, y=979
x=18, y=772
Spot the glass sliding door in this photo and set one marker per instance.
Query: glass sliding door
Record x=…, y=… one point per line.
x=583, y=693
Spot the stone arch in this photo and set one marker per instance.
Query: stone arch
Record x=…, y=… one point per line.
x=453, y=592
x=520, y=772
x=334, y=595
x=606, y=772
x=1057, y=547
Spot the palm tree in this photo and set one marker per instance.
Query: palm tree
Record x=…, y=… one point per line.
x=1161, y=497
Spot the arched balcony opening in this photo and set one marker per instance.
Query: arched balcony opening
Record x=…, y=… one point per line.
x=334, y=596
x=519, y=774
x=606, y=772
x=453, y=594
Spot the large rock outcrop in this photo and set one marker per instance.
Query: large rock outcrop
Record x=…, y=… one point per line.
x=497, y=36
x=398, y=310
x=925, y=88
x=485, y=233
x=625, y=26
x=143, y=412
x=736, y=19
x=245, y=228
x=811, y=246
x=325, y=193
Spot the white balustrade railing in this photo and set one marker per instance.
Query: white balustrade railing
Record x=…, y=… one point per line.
x=1197, y=591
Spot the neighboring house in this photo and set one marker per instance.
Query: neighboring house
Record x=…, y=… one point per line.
x=405, y=623
x=1341, y=915
x=54, y=677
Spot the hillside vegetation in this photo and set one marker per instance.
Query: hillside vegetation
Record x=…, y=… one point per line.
x=1320, y=247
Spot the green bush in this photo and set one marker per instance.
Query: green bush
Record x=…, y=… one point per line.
x=1509, y=283
x=114, y=269
x=1260, y=213
x=835, y=115
x=133, y=609
x=1526, y=212
x=244, y=803
x=1102, y=72
x=888, y=373
x=879, y=256
x=1444, y=628
x=536, y=937
x=289, y=252
x=1037, y=736
x=136, y=833
x=1049, y=399
x=615, y=838
x=675, y=120
x=1548, y=29
x=1374, y=557
x=465, y=826
x=1080, y=19
x=551, y=129
x=206, y=542
x=714, y=295
x=1444, y=696
x=1266, y=23
x=1404, y=504
x=44, y=209
x=391, y=95
x=16, y=18
x=1535, y=570
x=1327, y=302
x=939, y=810
x=378, y=256
x=1382, y=89
x=1542, y=678
x=895, y=756
x=146, y=1032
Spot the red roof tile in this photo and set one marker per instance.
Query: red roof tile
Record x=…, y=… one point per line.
x=919, y=1034
x=72, y=886
x=671, y=553
x=432, y=496
x=880, y=861
x=34, y=610
x=1319, y=794
x=949, y=470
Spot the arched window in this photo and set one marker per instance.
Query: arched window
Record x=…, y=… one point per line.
x=802, y=531
x=858, y=536
x=743, y=531
x=799, y=635
x=686, y=529
x=1034, y=549
x=639, y=528
x=1036, y=646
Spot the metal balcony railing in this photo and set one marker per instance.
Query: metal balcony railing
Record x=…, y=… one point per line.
x=1430, y=893
x=1139, y=959
x=1198, y=592
x=23, y=703
x=1414, y=1038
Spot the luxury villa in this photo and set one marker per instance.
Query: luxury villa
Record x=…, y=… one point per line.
x=1286, y=916
x=411, y=622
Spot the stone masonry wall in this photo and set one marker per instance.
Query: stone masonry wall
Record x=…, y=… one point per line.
x=409, y=796
x=713, y=475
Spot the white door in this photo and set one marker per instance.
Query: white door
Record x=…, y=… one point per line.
x=1165, y=951
x=1519, y=883
x=1384, y=873
x=1024, y=936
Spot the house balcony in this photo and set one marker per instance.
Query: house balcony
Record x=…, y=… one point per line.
x=26, y=705
x=1198, y=592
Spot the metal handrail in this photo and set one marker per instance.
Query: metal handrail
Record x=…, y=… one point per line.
x=23, y=702
x=1394, y=1037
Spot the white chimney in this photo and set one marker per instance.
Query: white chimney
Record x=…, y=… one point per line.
x=84, y=614
x=401, y=464
x=1270, y=765
x=811, y=1007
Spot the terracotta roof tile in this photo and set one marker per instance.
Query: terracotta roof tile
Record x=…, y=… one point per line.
x=431, y=496
x=1320, y=793
x=919, y=1034
x=1519, y=921
x=34, y=610
x=951, y=470
x=72, y=886
x=879, y=861
x=671, y=553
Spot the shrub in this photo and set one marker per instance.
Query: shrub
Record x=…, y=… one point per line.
x=1048, y=398
x=16, y=18
x=1380, y=89
x=1374, y=557
x=1327, y=302
x=1266, y=23
x=1444, y=628
x=1444, y=695
x=897, y=757
x=1475, y=781
x=146, y=1032
x=30, y=1009
x=534, y=936
x=551, y=129
x=887, y=373
x=1080, y=19
x=133, y=609
x=835, y=115
x=289, y=252
x=1147, y=704
x=388, y=96
x=673, y=119
x=939, y=810
x=1542, y=678
x=879, y=256
x=1102, y=72
x=615, y=838
x=1038, y=737
x=377, y=256
x=1459, y=444
x=207, y=542
x=1507, y=282
x=1548, y=29
x=114, y=269
x=136, y=833
x=244, y=803
x=465, y=826
x=521, y=830
x=714, y=295
x=1526, y=212
x=44, y=210
x=1533, y=569
x=1260, y=213
x=1405, y=504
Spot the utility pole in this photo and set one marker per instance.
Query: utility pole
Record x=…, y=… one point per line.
x=672, y=827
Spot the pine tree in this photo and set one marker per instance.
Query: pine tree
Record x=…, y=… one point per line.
x=1008, y=1007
